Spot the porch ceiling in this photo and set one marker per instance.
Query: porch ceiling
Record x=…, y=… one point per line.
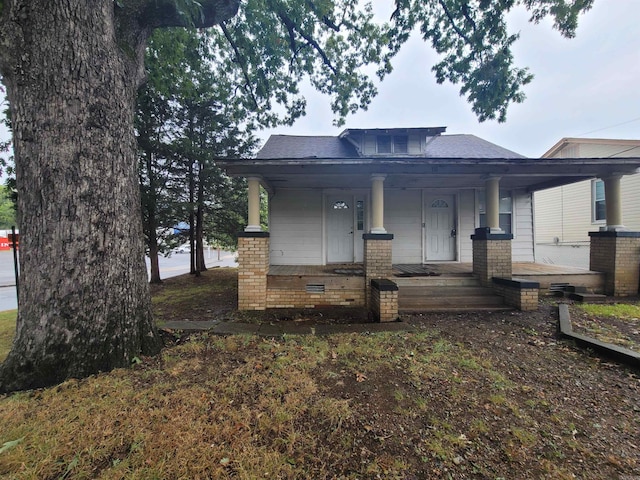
x=527, y=174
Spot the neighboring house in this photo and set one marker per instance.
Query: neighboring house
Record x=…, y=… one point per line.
x=379, y=197
x=565, y=215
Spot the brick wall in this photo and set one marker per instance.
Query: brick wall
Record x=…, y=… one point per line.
x=253, y=267
x=377, y=259
x=521, y=294
x=384, y=300
x=617, y=254
x=491, y=256
x=298, y=292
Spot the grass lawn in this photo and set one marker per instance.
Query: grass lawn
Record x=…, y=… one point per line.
x=483, y=396
x=7, y=329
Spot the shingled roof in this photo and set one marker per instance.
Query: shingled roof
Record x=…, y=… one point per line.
x=439, y=146
x=295, y=146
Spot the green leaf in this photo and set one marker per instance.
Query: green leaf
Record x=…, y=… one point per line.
x=7, y=445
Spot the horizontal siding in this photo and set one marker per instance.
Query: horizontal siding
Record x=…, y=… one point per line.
x=403, y=218
x=295, y=224
x=630, y=192
x=566, y=212
x=548, y=215
x=522, y=244
x=466, y=224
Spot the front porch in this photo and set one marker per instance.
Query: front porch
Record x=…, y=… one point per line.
x=545, y=274
x=424, y=287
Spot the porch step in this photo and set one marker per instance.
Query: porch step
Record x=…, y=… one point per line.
x=449, y=299
x=436, y=281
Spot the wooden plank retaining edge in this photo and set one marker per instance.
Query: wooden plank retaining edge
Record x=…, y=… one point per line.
x=616, y=352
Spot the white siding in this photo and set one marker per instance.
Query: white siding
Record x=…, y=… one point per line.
x=295, y=223
x=466, y=224
x=403, y=218
x=522, y=243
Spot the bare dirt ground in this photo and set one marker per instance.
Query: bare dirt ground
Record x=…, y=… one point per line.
x=510, y=401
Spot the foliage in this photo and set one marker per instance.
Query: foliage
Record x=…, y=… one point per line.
x=7, y=209
x=475, y=46
x=276, y=43
x=187, y=116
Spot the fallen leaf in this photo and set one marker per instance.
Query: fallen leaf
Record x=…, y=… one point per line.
x=360, y=377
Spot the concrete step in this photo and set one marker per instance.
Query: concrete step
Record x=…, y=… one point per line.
x=447, y=291
x=587, y=297
x=454, y=309
x=442, y=281
x=468, y=301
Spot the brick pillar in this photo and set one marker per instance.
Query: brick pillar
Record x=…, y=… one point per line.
x=384, y=300
x=491, y=255
x=617, y=255
x=377, y=259
x=253, y=267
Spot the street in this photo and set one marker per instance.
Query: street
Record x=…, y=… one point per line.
x=177, y=264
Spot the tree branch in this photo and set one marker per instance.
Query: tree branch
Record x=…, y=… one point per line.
x=240, y=61
x=171, y=13
x=310, y=40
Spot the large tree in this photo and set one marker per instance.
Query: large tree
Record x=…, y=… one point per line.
x=72, y=67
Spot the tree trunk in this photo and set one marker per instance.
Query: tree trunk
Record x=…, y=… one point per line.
x=200, y=263
x=154, y=276
x=84, y=301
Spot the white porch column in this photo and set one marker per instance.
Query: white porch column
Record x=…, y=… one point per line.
x=253, y=220
x=377, y=204
x=492, y=204
x=613, y=203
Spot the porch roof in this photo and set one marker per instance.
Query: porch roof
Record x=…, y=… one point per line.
x=530, y=174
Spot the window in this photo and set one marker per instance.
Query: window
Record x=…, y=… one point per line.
x=340, y=205
x=392, y=144
x=506, y=211
x=598, y=206
x=360, y=215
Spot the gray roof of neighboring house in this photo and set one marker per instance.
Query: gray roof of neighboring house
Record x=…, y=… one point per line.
x=439, y=146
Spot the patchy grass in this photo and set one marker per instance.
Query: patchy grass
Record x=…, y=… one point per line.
x=7, y=330
x=616, y=323
x=465, y=396
x=627, y=311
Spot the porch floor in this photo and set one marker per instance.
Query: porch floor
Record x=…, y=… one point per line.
x=519, y=269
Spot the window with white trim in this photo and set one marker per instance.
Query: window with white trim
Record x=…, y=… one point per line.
x=598, y=205
x=506, y=211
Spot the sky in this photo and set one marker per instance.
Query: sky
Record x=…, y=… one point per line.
x=588, y=86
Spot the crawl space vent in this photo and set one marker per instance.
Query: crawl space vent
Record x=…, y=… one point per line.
x=315, y=288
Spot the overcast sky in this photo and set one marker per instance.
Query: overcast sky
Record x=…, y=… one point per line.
x=588, y=86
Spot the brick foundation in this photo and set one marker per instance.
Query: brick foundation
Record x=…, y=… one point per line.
x=617, y=255
x=491, y=256
x=253, y=267
x=384, y=300
x=377, y=259
x=310, y=292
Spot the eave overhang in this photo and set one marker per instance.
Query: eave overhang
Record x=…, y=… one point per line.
x=419, y=172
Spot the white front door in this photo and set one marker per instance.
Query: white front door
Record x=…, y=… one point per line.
x=440, y=228
x=340, y=232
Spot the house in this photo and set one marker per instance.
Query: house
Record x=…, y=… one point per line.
x=565, y=215
x=370, y=199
